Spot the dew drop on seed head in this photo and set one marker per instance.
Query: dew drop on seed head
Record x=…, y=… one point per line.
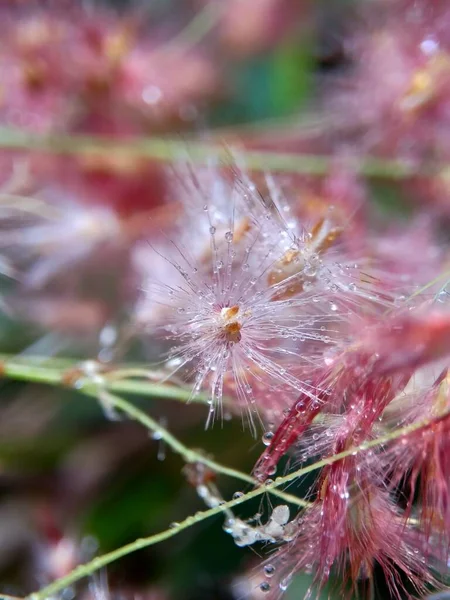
x=429, y=46
x=237, y=495
x=212, y=230
x=271, y=470
x=443, y=295
x=265, y=586
x=229, y=236
x=269, y=570
x=284, y=584
x=267, y=438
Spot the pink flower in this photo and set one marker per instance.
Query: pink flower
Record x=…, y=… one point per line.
x=397, y=96
x=351, y=527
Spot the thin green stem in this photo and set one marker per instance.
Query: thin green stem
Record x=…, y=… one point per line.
x=101, y=561
x=45, y=374
x=166, y=149
x=189, y=455
x=55, y=377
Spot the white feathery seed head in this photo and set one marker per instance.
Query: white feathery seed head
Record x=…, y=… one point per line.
x=45, y=238
x=231, y=324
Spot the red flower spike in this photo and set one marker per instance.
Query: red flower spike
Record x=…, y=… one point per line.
x=349, y=530
x=420, y=462
x=296, y=422
x=410, y=341
x=362, y=382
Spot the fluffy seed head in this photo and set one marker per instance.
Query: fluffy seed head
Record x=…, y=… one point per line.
x=243, y=300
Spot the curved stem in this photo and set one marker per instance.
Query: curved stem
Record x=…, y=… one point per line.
x=101, y=561
x=188, y=454
x=56, y=376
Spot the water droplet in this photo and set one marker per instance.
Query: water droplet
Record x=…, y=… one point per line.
x=267, y=438
x=429, y=46
x=310, y=270
x=284, y=584
x=443, y=296
x=151, y=94
x=212, y=230
x=228, y=525
x=265, y=586
x=271, y=470
x=229, y=236
x=237, y=495
x=269, y=570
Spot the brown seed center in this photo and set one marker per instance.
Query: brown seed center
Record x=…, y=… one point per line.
x=231, y=326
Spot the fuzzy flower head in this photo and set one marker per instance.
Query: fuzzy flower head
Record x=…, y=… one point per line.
x=235, y=304
x=249, y=297
x=43, y=237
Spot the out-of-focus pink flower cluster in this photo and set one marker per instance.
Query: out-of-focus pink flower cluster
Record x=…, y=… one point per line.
x=75, y=69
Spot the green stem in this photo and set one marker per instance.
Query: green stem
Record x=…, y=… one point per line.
x=32, y=373
x=52, y=376
x=189, y=455
x=101, y=561
x=166, y=149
